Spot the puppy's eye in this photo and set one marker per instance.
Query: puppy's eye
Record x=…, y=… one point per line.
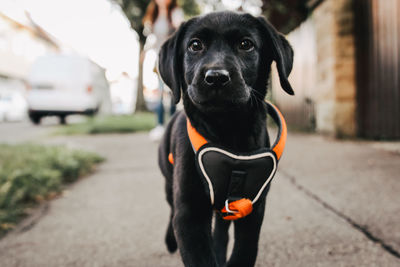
x=196, y=45
x=246, y=45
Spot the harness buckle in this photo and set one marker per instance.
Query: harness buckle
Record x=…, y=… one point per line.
x=227, y=207
x=237, y=209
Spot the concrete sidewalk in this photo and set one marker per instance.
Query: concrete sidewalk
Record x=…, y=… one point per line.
x=333, y=203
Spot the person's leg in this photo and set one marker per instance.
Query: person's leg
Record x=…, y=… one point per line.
x=160, y=107
x=172, y=108
x=160, y=112
x=158, y=131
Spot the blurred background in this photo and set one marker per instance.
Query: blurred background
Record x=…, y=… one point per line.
x=74, y=57
x=81, y=75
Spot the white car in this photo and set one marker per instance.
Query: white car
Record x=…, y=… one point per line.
x=13, y=106
x=62, y=85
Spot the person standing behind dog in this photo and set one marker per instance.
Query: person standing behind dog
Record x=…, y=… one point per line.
x=161, y=19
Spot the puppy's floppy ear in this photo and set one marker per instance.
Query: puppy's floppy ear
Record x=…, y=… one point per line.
x=282, y=53
x=170, y=62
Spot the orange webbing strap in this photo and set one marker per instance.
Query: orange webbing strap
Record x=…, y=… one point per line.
x=196, y=139
x=240, y=208
x=279, y=146
x=171, y=158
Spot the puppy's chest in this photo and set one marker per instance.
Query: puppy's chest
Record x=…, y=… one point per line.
x=243, y=142
x=242, y=136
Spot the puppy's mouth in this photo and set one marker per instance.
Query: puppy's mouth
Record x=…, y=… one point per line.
x=220, y=100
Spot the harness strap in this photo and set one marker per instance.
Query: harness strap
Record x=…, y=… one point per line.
x=235, y=206
x=197, y=140
x=171, y=158
x=236, y=183
x=280, y=141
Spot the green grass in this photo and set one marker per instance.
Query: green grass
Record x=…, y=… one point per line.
x=32, y=173
x=111, y=124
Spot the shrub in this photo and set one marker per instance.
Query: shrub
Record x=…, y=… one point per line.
x=31, y=173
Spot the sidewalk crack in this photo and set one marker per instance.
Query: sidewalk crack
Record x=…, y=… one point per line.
x=368, y=234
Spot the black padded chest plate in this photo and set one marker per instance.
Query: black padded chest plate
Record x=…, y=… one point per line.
x=231, y=176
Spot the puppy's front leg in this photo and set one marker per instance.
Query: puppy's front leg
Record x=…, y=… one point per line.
x=192, y=221
x=221, y=238
x=247, y=232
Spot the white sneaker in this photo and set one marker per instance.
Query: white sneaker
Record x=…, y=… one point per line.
x=156, y=133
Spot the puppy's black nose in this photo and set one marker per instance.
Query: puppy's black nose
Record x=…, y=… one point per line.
x=217, y=77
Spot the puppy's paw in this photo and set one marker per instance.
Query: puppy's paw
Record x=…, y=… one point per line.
x=170, y=240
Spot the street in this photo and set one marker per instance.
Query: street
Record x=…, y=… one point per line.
x=332, y=203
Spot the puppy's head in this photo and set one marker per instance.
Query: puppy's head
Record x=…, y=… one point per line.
x=221, y=60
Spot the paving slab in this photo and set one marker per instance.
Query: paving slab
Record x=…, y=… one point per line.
x=299, y=231
x=360, y=180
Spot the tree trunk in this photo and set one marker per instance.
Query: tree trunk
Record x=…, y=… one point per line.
x=140, y=103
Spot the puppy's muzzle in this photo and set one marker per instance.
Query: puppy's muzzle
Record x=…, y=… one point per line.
x=218, y=77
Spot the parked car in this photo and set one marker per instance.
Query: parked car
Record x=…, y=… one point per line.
x=62, y=85
x=123, y=94
x=13, y=106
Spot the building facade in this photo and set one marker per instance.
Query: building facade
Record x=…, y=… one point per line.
x=346, y=70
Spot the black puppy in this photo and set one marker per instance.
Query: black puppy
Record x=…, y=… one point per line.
x=220, y=64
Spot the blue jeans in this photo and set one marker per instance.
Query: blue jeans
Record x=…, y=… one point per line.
x=160, y=106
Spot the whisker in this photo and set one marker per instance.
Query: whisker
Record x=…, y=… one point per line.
x=255, y=100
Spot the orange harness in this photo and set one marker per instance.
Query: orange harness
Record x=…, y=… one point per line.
x=235, y=182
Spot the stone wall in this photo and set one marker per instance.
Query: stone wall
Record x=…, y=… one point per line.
x=299, y=109
x=334, y=92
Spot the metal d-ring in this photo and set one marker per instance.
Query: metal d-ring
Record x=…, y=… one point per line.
x=227, y=207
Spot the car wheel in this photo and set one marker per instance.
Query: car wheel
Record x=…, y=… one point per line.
x=63, y=119
x=35, y=119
